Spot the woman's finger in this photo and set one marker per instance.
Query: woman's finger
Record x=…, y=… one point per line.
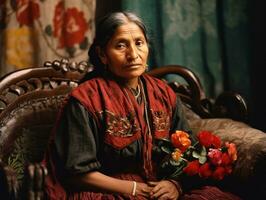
x=159, y=193
x=152, y=183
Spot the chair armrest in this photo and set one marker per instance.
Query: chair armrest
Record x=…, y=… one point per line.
x=249, y=170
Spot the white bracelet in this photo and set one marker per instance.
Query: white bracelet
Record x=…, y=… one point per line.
x=134, y=188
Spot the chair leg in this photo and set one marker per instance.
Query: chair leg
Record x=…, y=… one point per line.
x=35, y=183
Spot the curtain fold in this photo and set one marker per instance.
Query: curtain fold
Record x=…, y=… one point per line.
x=34, y=31
x=207, y=36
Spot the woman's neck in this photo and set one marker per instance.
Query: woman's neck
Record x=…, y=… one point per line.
x=132, y=83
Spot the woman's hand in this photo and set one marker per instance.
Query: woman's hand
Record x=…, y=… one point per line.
x=163, y=190
x=143, y=189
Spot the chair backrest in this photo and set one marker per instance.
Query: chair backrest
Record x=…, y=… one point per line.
x=30, y=99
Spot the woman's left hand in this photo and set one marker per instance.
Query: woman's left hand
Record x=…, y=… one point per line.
x=163, y=190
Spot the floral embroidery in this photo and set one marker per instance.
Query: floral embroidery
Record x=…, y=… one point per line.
x=64, y=28
x=27, y=12
x=121, y=126
x=161, y=120
x=19, y=46
x=69, y=26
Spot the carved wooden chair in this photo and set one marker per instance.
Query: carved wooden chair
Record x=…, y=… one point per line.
x=30, y=99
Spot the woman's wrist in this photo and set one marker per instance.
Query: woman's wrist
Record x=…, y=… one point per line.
x=134, y=188
x=177, y=185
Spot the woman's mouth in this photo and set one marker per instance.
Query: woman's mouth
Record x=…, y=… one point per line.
x=133, y=66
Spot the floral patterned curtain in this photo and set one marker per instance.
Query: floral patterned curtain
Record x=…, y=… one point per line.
x=34, y=31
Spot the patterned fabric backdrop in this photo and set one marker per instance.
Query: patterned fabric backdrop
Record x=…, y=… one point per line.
x=207, y=36
x=33, y=31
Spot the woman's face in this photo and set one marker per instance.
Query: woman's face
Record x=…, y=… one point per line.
x=126, y=52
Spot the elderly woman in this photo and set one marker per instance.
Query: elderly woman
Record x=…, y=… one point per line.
x=102, y=144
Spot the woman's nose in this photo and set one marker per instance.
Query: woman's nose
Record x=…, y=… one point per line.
x=132, y=53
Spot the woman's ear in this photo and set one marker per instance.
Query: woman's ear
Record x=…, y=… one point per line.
x=101, y=55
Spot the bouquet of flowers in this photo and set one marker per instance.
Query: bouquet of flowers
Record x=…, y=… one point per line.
x=204, y=156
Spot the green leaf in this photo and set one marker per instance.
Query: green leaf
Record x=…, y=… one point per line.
x=195, y=154
x=174, y=162
x=166, y=149
x=71, y=51
x=164, y=141
x=203, y=151
x=48, y=30
x=84, y=44
x=224, y=149
x=202, y=159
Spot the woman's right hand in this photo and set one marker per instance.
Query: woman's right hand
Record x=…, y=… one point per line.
x=143, y=189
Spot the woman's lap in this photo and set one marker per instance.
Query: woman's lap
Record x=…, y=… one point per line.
x=209, y=193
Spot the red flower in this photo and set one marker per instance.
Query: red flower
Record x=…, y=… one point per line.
x=215, y=156
x=228, y=169
x=27, y=12
x=69, y=26
x=219, y=173
x=180, y=140
x=205, y=170
x=208, y=139
x=206, y=158
x=226, y=160
x=192, y=168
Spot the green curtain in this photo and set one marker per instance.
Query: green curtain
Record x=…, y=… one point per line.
x=207, y=36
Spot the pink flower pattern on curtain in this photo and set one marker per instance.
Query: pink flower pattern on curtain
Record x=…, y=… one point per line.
x=34, y=31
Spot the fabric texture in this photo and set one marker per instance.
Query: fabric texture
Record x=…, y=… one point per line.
x=32, y=31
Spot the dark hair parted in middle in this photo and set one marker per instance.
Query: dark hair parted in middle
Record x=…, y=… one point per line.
x=105, y=29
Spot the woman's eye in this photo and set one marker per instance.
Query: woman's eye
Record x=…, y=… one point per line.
x=139, y=43
x=120, y=45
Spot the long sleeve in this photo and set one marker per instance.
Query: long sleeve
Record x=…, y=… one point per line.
x=76, y=140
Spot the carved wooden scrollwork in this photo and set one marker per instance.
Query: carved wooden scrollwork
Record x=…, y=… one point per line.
x=227, y=105
x=53, y=75
x=65, y=65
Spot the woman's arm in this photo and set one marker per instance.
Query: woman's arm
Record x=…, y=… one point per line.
x=77, y=142
x=98, y=182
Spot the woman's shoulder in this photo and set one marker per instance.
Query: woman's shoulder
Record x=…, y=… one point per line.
x=156, y=81
x=87, y=86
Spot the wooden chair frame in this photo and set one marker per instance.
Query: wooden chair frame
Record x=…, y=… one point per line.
x=32, y=87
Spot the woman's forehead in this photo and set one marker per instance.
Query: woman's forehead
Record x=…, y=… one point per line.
x=128, y=29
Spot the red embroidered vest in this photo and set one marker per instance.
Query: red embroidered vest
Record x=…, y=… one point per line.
x=119, y=116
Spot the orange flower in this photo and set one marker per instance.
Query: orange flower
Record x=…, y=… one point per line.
x=232, y=152
x=180, y=140
x=176, y=154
